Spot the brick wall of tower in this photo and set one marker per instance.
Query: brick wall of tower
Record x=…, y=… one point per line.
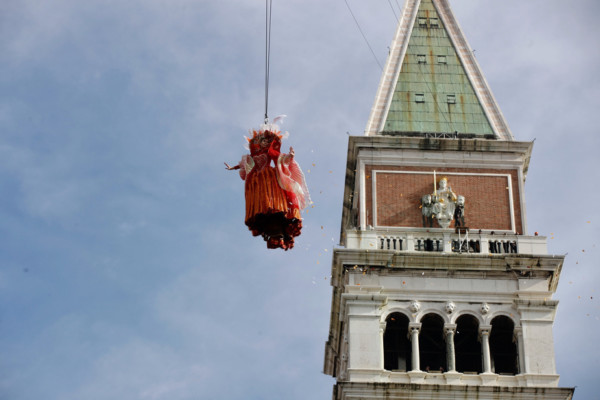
x=486, y=191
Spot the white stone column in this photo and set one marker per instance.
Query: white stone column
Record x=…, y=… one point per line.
x=449, y=330
x=484, y=245
x=410, y=242
x=521, y=349
x=382, y=326
x=484, y=332
x=414, y=329
x=447, y=245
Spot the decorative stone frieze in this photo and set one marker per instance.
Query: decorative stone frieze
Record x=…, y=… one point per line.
x=485, y=308
x=414, y=306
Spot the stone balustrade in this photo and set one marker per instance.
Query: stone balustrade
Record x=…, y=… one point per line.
x=445, y=241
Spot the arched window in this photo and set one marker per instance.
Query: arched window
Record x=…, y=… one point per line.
x=396, y=345
x=503, y=349
x=432, y=346
x=467, y=347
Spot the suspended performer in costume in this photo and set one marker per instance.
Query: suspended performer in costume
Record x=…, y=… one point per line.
x=275, y=194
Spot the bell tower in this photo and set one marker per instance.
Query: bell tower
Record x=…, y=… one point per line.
x=439, y=291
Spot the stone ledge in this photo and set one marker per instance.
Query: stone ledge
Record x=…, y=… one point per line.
x=453, y=378
x=413, y=391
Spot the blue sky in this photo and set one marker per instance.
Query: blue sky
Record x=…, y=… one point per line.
x=126, y=271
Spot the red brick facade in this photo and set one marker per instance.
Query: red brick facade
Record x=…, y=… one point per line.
x=486, y=192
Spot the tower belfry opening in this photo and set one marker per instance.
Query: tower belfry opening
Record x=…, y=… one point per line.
x=438, y=289
x=397, y=350
x=467, y=346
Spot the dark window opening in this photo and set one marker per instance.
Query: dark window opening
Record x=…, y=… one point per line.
x=422, y=22
x=396, y=345
x=433, y=22
x=467, y=347
x=432, y=346
x=421, y=59
x=429, y=245
x=503, y=349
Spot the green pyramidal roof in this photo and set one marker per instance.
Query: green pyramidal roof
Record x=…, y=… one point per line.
x=433, y=93
x=432, y=84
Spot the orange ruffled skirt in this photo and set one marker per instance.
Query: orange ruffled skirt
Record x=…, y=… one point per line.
x=268, y=211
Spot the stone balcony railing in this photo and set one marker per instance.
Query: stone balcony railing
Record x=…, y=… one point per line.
x=445, y=241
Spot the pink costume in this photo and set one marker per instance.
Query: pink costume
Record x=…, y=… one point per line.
x=275, y=195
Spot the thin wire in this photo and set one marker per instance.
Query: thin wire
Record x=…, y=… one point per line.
x=269, y=4
x=363, y=35
x=392, y=7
